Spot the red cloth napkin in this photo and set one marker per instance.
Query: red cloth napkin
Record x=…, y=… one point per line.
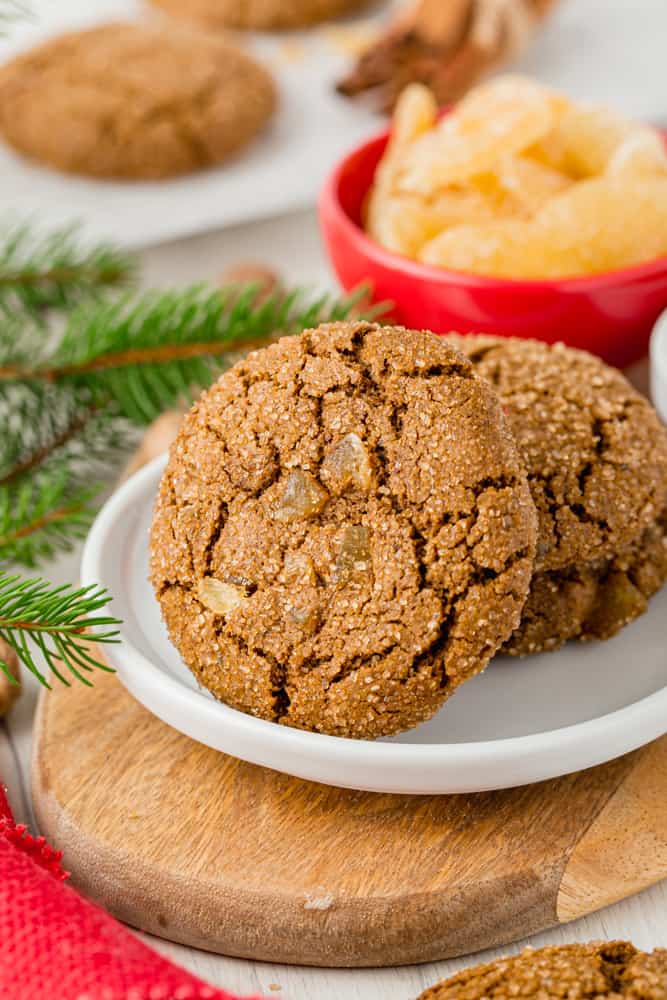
x=56, y=945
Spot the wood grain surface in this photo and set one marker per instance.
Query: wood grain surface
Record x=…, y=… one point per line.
x=203, y=849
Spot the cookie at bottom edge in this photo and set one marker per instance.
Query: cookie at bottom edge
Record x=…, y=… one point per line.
x=577, y=971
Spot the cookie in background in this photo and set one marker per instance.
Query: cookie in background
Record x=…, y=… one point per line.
x=259, y=15
x=134, y=101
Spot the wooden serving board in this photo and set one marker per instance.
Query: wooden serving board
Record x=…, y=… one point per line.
x=200, y=848
x=203, y=849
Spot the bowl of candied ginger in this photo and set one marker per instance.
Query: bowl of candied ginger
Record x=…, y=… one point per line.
x=517, y=212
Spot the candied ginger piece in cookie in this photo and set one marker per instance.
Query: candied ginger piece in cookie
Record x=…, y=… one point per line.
x=359, y=536
x=348, y=463
x=303, y=497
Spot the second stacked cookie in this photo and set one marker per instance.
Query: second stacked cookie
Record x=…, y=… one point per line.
x=596, y=458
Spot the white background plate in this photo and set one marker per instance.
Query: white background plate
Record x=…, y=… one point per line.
x=519, y=722
x=284, y=169
x=279, y=172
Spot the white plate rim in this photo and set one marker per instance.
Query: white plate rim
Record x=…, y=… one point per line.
x=415, y=768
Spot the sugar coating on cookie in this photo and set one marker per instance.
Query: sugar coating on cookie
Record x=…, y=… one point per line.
x=594, y=971
x=260, y=15
x=344, y=532
x=133, y=101
x=596, y=457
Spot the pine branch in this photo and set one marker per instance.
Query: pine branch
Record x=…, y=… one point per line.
x=55, y=443
x=46, y=425
x=55, y=620
x=43, y=516
x=55, y=271
x=145, y=354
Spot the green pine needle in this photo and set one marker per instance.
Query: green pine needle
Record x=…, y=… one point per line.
x=55, y=620
x=145, y=353
x=56, y=271
x=44, y=516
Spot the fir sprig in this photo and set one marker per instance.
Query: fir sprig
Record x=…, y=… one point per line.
x=144, y=353
x=55, y=271
x=42, y=518
x=55, y=620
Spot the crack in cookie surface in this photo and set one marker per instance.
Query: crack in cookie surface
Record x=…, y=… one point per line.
x=436, y=524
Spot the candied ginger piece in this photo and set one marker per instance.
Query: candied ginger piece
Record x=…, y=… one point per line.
x=349, y=463
x=584, y=139
x=403, y=223
x=416, y=112
x=505, y=248
x=642, y=152
x=306, y=618
x=300, y=569
x=303, y=497
x=499, y=118
x=220, y=597
x=354, y=555
x=528, y=184
x=606, y=223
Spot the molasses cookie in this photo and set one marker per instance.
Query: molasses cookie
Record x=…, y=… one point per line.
x=344, y=532
x=583, y=971
x=260, y=15
x=596, y=457
x=132, y=101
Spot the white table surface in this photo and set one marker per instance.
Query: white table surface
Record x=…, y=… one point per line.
x=291, y=244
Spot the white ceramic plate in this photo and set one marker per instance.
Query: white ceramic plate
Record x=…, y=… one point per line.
x=519, y=722
x=658, y=355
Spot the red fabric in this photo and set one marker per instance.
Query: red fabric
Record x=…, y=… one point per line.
x=56, y=945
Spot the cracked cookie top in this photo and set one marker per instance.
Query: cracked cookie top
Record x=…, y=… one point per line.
x=597, y=971
x=133, y=101
x=594, y=448
x=344, y=532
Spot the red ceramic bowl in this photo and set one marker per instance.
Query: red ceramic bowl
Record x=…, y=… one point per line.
x=609, y=314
